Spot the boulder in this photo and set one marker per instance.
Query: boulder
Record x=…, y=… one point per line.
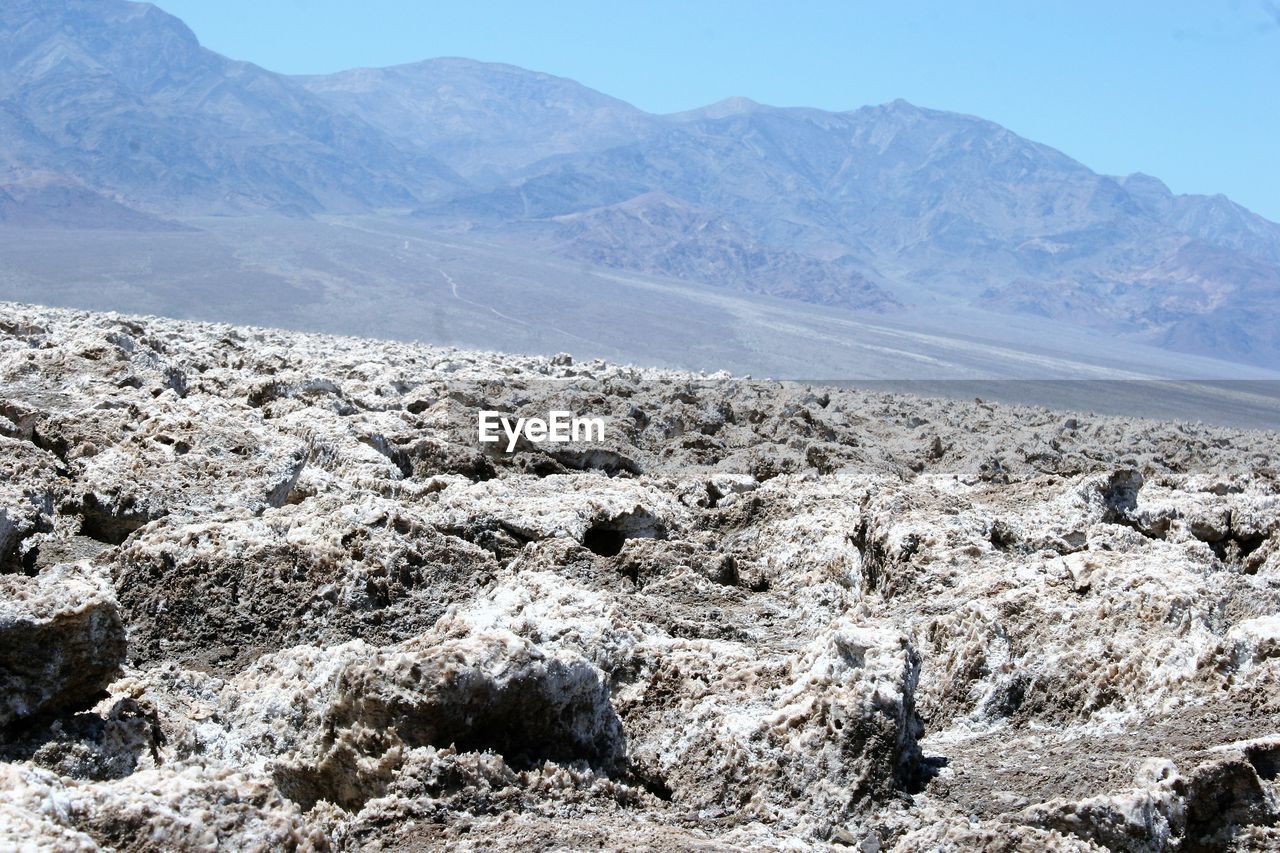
x=61, y=641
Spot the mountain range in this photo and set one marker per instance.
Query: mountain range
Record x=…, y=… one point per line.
x=113, y=115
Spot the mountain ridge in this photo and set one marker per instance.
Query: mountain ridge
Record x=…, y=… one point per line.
x=123, y=96
x=876, y=208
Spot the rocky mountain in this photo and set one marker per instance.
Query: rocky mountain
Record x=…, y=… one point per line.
x=46, y=200
x=485, y=120
x=266, y=589
x=872, y=208
x=930, y=206
x=122, y=97
x=1215, y=220
x=887, y=208
x=658, y=234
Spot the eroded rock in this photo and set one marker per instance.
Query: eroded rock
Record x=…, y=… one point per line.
x=61, y=641
x=217, y=593
x=759, y=615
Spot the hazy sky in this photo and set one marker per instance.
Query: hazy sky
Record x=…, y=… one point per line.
x=1187, y=90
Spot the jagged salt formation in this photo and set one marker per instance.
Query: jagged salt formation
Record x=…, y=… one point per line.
x=756, y=616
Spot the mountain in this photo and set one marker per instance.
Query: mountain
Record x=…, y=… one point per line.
x=932, y=206
x=655, y=233
x=122, y=97
x=891, y=208
x=45, y=200
x=482, y=119
x=1214, y=219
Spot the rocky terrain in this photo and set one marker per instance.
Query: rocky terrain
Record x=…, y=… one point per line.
x=266, y=590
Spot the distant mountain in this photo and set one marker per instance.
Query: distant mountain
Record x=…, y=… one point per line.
x=932, y=206
x=44, y=200
x=1216, y=220
x=482, y=119
x=658, y=234
x=885, y=208
x=122, y=97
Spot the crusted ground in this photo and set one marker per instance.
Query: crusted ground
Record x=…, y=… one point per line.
x=267, y=589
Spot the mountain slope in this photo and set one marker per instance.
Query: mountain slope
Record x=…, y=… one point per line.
x=45, y=200
x=655, y=233
x=122, y=96
x=933, y=205
x=483, y=119
x=1215, y=219
x=889, y=208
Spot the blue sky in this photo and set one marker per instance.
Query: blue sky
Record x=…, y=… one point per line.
x=1186, y=90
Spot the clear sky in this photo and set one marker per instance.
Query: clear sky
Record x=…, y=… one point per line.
x=1186, y=90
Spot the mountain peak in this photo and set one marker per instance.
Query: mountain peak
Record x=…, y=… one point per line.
x=901, y=105
x=137, y=44
x=731, y=106
x=736, y=104
x=902, y=109
x=122, y=97
x=1143, y=181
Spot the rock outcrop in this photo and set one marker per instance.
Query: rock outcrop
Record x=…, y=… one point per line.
x=61, y=641
x=757, y=615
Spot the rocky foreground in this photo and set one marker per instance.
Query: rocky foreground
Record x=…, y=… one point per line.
x=266, y=590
